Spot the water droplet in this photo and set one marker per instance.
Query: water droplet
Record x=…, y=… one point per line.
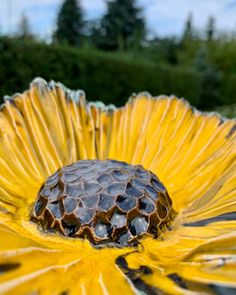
x=126, y=203
x=102, y=230
x=138, y=225
x=124, y=238
x=118, y=220
x=146, y=205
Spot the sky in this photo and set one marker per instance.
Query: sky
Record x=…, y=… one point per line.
x=164, y=17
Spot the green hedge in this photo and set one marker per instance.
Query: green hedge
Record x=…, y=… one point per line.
x=228, y=92
x=103, y=76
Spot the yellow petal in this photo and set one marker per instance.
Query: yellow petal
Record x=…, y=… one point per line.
x=193, y=154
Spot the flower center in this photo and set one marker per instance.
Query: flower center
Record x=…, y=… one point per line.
x=103, y=201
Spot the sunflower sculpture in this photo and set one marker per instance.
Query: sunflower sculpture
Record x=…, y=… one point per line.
x=103, y=200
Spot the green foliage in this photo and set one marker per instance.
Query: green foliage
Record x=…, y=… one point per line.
x=24, y=31
x=163, y=50
x=228, y=90
x=211, y=79
x=227, y=111
x=188, y=34
x=223, y=53
x=104, y=76
x=122, y=26
x=210, y=28
x=199, y=65
x=69, y=24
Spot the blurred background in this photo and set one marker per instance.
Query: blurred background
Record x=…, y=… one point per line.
x=114, y=48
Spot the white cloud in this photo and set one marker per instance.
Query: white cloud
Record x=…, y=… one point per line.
x=12, y=10
x=163, y=17
x=94, y=5
x=168, y=17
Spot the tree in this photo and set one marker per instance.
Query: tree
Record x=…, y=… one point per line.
x=70, y=24
x=210, y=28
x=24, y=31
x=188, y=30
x=123, y=25
x=164, y=49
x=211, y=78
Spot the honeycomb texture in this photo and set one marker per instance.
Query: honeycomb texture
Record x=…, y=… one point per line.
x=103, y=201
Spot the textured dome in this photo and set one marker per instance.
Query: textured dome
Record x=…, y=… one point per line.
x=105, y=201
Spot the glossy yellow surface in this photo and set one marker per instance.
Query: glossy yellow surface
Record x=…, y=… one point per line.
x=193, y=154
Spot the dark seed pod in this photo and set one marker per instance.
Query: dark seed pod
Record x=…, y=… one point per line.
x=104, y=201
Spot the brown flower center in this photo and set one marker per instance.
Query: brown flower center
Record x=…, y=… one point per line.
x=104, y=201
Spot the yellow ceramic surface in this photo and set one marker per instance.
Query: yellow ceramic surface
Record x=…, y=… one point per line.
x=193, y=154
